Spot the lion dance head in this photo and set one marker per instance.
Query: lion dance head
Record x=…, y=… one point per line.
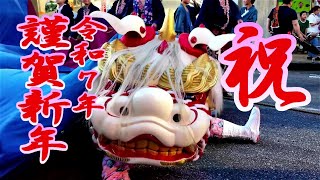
x=158, y=92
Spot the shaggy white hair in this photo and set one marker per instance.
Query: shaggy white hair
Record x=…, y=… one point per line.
x=159, y=64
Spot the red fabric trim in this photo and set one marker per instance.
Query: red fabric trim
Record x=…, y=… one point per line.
x=185, y=46
x=132, y=39
x=196, y=116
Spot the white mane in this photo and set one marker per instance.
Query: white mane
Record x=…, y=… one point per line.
x=159, y=64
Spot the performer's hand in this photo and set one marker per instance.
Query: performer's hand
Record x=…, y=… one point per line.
x=301, y=37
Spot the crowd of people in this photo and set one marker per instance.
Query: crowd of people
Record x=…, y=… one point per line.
x=188, y=15
x=219, y=16
x=284, y=20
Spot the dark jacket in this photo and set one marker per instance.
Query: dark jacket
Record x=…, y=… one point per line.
x=67, y=11
x=212, y=15
x=80, y=16
x=127, y=10
x=251, y=16
x=194, y=11
x=157, y=8
x=158, y=13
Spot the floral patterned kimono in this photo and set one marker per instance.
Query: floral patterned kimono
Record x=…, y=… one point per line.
x=151, y=11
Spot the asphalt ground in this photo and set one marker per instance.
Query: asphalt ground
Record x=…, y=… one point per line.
x=309, y=80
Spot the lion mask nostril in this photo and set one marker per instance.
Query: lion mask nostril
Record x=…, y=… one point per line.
x=176, y=118
x=124, y=111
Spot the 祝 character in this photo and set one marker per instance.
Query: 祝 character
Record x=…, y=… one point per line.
x=158, y=92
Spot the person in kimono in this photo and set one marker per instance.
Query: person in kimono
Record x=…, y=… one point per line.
x=151, y=11
x=219, y=16
x=121, y=8
x=85, y=10
x=65, y=9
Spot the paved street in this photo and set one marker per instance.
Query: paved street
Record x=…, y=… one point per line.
x=310, y=80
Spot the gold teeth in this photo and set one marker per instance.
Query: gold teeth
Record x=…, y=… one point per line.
x=141, y=144
x=116, y=158
x=146, y=146
x=153, y=146
x=190, y=149
x=178, y=163
x=130, y=145
x=154, y=153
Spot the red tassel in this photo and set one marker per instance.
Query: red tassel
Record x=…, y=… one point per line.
x=163, y=46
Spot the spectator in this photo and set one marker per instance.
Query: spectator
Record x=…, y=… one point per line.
x=316, y=2
x=121, y=8
x=313, y=31
x=249, y=13
x=193, y=11
x=85, y=10
x=220, y=16
x=65, y=9
x=151, y=11
x=183, y=23
x=303, y=22
x=288, y=20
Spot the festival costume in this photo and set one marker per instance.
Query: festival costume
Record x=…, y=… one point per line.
x=158, y=92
